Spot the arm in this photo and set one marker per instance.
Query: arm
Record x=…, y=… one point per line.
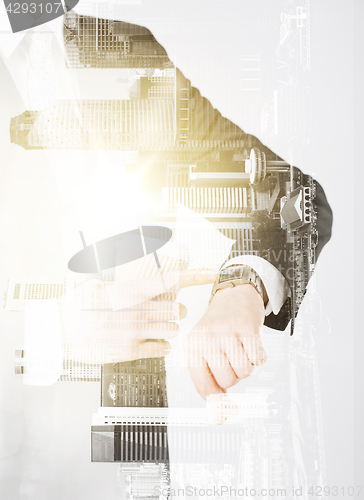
x=210, y=141
x=291, y=248
x=234, y=318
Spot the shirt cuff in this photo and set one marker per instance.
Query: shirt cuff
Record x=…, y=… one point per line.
x=275, y=284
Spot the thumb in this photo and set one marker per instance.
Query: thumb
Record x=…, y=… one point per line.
x=195, y=277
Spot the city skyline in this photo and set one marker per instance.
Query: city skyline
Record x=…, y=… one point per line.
x=57, y=418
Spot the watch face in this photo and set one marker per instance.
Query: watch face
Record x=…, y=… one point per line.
x=230, y=273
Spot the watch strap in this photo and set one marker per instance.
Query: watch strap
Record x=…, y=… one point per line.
x=236, y=275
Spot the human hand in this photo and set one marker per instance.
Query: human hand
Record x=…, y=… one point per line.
x=141, y=330
x=225, y=345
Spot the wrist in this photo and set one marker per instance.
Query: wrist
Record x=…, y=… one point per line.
x=237, y=292
x=241, y=303
x=237, y=276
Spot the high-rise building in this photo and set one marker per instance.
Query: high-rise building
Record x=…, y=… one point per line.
x=66, y=291
x=150, y=443
x=138, y=383
x=132, y=443
x=121, y=433
x=91, y=42
x=84, y=361
x=236, y=408
x=148, y=481
x=46, y=364
x=164, y=115
x=104, y=124
x=21, y=290
x=135, y=384
x=20, y=127
x=155, y=87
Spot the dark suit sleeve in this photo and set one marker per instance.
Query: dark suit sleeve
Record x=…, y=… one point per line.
x=291, y=269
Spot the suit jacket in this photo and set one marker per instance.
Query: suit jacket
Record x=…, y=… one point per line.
x=322, y=214
x=207, y=143
x=214, y=143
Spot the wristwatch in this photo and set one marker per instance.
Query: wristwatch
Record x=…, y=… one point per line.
x=239, y=274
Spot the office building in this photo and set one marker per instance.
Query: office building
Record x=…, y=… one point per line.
x=143, y=481
x=22, y=290
x=119, y=443
x=164, y=114
x=71, y=362
x=104, y=124
x=238, y=408
x=68, y=293
x=160, y=86
x=138, y=383
x=129, y=432
x=295, y=31
x=151, y=443
x=21, y=126
x=92, y=42
x=134, y=384
x=48, y=363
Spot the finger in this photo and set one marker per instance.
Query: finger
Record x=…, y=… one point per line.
x=196, y=277
x=150, y=349
x=121, y=294
x=126, y=294
x=254, y=348
x=115, y=326
x=153, y=310
x=238, y=357
x=122, y=350
x=147, y=330
x=204, y=380
x=221, y=369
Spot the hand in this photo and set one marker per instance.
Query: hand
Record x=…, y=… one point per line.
x=225, y=345
x=139, y=331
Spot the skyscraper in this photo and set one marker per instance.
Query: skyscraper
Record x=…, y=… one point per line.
x=91, y=42
x=39, y=364
x=20, y=127
x=131, y=443
x=144, y=481
x=164, y=114
x=148, y=439
x=104, y=124
x=22, y=290
x=47, y=364
x=139, y=383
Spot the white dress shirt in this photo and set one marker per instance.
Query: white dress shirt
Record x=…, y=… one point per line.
x=275, y=284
